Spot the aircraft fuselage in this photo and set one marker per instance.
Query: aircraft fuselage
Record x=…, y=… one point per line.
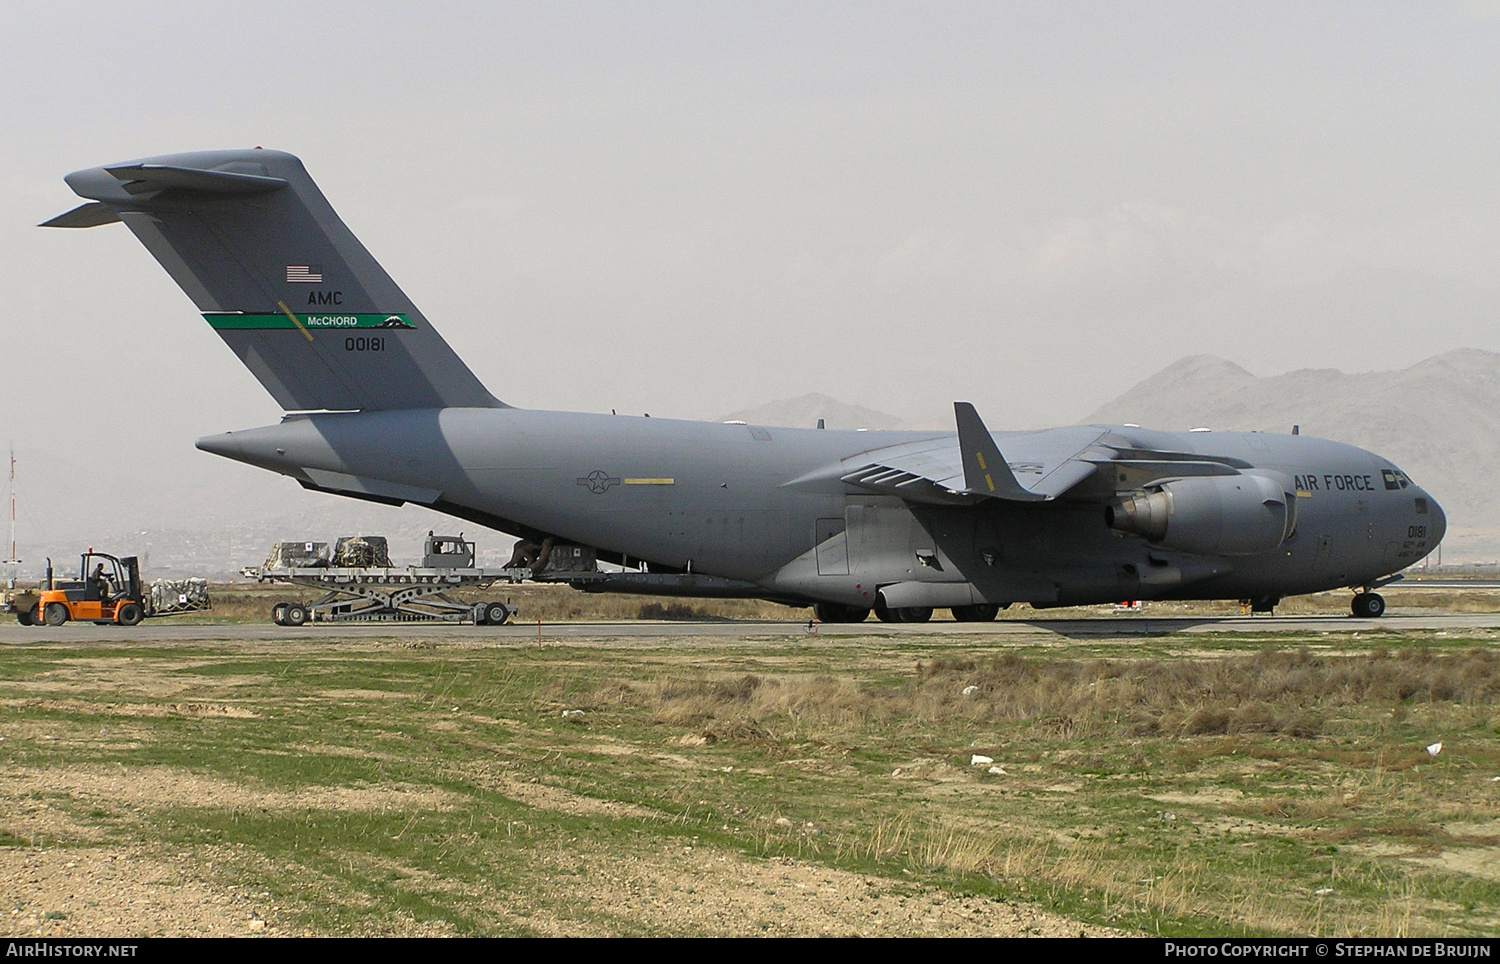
x=767, y=506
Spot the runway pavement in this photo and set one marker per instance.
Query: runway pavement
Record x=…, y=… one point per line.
x=1104, y=627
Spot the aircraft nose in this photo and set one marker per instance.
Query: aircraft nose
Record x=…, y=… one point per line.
x=1437, y=521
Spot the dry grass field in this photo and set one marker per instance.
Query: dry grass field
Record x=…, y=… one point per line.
x=760, y=782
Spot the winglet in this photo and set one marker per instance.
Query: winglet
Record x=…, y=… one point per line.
x=985, y=470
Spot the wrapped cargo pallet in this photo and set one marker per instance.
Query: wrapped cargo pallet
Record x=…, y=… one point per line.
x=172, y=596
x=362, y=552
x=297, y=555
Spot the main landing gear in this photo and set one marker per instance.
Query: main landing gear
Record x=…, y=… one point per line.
x=1368, y=605
x=904, y=614
x=837, y=613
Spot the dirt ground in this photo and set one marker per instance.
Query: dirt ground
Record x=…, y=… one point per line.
x=729, y=779
x=77, y=891
x=95, y=886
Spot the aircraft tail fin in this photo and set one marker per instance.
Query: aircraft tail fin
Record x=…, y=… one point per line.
x=250, y=238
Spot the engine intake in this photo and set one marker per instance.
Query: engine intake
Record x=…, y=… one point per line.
x=1225, y=515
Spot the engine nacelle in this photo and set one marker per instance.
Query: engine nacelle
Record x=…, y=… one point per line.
x=1219, y=515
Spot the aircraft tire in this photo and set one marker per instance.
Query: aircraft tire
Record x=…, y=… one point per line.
x=887, y=615
x=296, y=614
x=55, y=614
x=1368, y=605
x=915, y=614
x=495, y=614
x=278, y=614
x=976, y=613
x=129, y=614
x=838, y=613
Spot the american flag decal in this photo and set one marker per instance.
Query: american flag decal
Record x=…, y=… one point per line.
x=304, y=274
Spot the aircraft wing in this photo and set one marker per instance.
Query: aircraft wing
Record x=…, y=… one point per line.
x=969, y=467
x=964, y=469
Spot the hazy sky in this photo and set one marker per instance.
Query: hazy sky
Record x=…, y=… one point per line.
x=689, y=209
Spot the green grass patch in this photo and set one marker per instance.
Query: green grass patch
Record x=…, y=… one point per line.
x=1208, y=786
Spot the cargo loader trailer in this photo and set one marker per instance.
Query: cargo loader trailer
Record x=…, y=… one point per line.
x=381, y=594
x=384, y=596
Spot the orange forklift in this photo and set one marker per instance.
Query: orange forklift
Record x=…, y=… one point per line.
x=108, y=590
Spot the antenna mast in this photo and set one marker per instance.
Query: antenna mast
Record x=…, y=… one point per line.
x=12, y=562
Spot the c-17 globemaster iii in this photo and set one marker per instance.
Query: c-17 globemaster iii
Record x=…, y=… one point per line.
x=380, y=408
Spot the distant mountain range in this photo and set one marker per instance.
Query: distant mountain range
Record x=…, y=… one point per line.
x=1439, y=420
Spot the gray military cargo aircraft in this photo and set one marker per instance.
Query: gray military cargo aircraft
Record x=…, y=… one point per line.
x=380, y=408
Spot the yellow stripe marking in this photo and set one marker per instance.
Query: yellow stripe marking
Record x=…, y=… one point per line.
x=980, y=457
x=650, y=481
x=288, y=312
x=989, y=482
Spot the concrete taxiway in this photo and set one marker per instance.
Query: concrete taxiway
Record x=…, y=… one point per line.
x=1103, y=627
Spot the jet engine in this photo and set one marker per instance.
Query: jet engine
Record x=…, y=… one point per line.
x=1224, y=515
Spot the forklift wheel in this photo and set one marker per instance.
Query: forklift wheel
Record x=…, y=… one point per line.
x=296, y=614
x=24, y=617
x=55, y=614
x=129, y=614
x=278, y=614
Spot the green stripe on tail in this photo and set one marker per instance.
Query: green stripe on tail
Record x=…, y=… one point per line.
x=336, y=321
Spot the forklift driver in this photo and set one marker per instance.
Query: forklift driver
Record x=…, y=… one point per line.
x=99, y=582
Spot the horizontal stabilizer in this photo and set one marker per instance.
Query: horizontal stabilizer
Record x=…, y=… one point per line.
x=89, y=215
x=985, y=471
x=140, y=179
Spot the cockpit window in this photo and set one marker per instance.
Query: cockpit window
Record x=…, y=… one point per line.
x=1395, y=479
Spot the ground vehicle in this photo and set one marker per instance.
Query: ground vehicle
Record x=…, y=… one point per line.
x=355, y=592
x=21, y=603
x=108, y=591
